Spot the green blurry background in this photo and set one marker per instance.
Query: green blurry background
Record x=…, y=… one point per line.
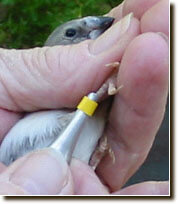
x=27, y=23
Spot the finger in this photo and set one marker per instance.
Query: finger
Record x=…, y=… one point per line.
x=8, y=119
x=156, y=19
x=138, y=7
x=44, y=78
x=85, y=180
x=49, y=74
x=138, y=109
x=146, y=188
x=116, y=12
x=43, y=172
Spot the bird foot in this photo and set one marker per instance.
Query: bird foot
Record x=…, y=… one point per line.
x=102, y=149
x=112, y=89
x=109, y=87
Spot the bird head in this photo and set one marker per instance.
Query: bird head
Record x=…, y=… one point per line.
x=78, y=30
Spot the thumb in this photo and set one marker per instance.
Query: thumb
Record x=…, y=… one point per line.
x=43, y=78
x=43, y=172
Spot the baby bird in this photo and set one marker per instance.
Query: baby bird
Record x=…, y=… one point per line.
x=40, y=129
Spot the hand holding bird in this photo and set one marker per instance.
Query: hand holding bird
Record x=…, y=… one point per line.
x=134, y=118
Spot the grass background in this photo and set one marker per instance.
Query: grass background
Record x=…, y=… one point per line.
x=27, y=23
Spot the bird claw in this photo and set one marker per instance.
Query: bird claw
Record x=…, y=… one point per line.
x=113, y=65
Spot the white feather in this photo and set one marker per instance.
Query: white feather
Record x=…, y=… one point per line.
x=38, y=130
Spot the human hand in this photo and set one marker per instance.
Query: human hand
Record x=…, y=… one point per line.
x=135, y=86
x=140, y=105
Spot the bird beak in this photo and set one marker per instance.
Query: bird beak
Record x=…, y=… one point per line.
x=96, y=25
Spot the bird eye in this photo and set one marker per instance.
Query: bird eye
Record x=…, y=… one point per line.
x=70, y=32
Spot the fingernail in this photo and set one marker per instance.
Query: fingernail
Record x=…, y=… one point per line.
x=164, y=36
x=111, y=36
x=43, y=172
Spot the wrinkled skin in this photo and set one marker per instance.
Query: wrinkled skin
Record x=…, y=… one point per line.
x=39, y=129
x=136, y=114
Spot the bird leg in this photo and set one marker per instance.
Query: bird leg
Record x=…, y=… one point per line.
x=103, y=147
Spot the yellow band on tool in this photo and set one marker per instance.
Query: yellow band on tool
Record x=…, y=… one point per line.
x=87, y=105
